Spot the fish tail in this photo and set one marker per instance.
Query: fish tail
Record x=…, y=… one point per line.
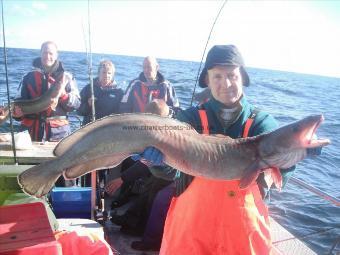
x=38, y=180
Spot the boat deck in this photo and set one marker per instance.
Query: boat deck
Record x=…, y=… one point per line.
x=120, y=243
x=282, y=239
x=37, y=153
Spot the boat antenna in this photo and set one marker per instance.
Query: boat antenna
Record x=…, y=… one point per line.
x=205, y=48
x=6, y=74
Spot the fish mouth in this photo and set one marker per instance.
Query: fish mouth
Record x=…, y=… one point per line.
x=311, y=140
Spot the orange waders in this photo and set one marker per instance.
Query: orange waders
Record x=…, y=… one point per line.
x=216, y=217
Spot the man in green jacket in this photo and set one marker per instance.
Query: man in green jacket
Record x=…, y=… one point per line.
x=216, y=216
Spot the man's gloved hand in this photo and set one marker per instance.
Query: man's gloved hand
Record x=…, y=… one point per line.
x=151, y=156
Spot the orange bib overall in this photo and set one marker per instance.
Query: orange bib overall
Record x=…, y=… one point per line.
x=217, y=217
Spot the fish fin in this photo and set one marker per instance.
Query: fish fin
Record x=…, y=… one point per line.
x=218, y=135
x=273, y=175
x=104, y=162
x=250, y=174
x=38, y=180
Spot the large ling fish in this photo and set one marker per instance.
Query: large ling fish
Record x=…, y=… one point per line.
x=36, y=105
x=108, y=141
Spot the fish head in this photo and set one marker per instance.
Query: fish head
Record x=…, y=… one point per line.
x=288, y=145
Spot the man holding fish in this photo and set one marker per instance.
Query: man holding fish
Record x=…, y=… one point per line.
x=213, y=216
x=58, y=94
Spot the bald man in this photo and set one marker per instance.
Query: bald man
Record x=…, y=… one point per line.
x=51, y=124
x=150, y=85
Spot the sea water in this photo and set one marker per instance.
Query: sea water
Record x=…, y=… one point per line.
x=287, y=96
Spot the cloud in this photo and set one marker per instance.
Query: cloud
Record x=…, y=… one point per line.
x=41, y=6
x=22, y=11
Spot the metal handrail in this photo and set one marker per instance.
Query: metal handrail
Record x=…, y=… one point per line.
x=316, y=191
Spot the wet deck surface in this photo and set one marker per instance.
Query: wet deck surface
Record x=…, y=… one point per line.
x=120, y=243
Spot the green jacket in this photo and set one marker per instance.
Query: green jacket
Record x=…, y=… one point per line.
x=263, y=123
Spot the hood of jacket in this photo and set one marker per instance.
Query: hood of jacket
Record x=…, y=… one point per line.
x=56, y=69
x=160, y=77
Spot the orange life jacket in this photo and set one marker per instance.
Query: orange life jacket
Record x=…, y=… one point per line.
x=217, y=217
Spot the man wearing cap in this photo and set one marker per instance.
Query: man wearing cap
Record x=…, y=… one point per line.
x=216, y=216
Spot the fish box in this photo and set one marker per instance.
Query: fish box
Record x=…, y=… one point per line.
x=71, y=202
x=8, y=180
x=25, y=230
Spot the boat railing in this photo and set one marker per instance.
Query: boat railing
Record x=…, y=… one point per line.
x=323, y=195
x=316, y=191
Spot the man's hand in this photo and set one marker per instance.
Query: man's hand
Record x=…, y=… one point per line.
x=3, y=114
x=2, y=110
x=17, y=112
x=89, y=101
x=151, y=156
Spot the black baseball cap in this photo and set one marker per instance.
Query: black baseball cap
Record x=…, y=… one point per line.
x=223, y=55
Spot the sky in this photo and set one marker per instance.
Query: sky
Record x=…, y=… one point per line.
x=293, y=35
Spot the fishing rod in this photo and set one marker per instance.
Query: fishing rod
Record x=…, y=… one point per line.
x=316, y=191
x=89, y=72
x=205, y=48
x=6, y=75
x=90, y=63
x=89, y=60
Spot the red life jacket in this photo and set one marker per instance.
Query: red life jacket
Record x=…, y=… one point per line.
x=146, y=94
x=38, y=121
x=217, y=217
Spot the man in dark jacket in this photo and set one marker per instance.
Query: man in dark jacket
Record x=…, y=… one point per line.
x=107, y=97
x=150, y=85
x=106, y=93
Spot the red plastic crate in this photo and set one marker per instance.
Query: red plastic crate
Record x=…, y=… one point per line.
x=25, y=230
